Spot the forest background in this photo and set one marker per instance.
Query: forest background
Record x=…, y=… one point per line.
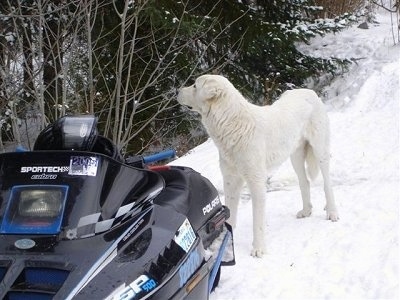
x=124, y=60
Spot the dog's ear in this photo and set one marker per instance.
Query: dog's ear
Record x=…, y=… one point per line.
x=212, y=89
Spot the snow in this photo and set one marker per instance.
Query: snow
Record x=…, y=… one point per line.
x=312, y=258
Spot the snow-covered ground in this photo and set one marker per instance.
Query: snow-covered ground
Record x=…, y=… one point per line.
x=312, y=258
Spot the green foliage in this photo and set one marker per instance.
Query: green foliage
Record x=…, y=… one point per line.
x=263, y=59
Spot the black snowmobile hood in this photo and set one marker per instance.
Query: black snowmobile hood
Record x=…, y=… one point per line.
x=81, y=225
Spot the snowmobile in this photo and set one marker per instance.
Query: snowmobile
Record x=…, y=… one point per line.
x=77, y=221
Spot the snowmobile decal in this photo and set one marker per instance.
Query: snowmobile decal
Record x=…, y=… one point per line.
x=44, y=169
x=44, y=176
x=189, y=267
x=139, y=287
x=210, y=206
x=92, y=224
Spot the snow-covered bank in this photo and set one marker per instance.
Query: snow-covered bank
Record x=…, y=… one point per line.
x=357, y=257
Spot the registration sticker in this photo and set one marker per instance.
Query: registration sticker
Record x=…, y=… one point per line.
x=83, y=165
x=185, y=236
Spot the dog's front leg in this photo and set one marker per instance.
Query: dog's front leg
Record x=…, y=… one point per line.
x=233, y=184
x=258, y=195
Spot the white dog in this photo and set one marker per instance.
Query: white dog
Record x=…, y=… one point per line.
x=253, y=140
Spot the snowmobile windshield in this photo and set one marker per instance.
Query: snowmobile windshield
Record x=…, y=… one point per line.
x=71, y=193
x=69, y=133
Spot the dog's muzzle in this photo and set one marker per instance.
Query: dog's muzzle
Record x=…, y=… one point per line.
x=188, y=107
x=179, y=99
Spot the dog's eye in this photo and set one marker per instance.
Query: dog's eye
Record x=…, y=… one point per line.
x=194, y=86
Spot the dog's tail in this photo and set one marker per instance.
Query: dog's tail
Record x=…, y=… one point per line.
x=312, y=163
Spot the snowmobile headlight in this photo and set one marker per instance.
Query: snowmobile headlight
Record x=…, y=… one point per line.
x=40, y=203
x=35, y=209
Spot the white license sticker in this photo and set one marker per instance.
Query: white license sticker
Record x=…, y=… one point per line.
x=185, y=236
x=83, y=165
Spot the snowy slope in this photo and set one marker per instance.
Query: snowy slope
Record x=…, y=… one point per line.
x=312, y=258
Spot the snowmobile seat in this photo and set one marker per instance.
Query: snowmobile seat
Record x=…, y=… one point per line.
x=176, y=191
x=187, y=192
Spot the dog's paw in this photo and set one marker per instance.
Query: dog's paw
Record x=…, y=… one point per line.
x=333, y=216
x=304, y=213
x=257, y=252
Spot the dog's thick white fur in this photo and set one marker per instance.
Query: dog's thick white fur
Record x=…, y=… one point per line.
x=252, y=140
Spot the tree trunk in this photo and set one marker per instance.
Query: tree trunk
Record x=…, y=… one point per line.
x=52, y=66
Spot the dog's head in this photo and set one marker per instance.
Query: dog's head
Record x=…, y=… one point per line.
x=200, y=95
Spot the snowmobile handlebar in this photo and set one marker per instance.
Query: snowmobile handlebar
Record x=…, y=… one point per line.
x=165, y=154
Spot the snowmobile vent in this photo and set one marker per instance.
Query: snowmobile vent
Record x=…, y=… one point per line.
x=37, y=283
x=4, y=265
x=3, y=271
x=165, y=262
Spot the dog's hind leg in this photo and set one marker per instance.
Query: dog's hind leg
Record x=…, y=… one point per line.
x=331, y=211
x=322, y=155
x=298, y=162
